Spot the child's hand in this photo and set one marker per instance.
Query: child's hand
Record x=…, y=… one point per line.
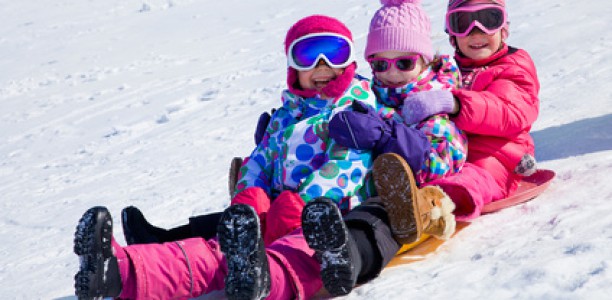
x=419, y=106
x=262, y=124
x=361, y=128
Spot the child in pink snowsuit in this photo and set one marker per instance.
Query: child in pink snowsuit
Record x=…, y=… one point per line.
x=495, y=108
x=320, y=84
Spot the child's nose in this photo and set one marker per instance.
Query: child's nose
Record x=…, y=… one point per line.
x=322, y=63
x=476, y=30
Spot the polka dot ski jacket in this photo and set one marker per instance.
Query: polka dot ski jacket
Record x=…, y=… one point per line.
x=297, y=154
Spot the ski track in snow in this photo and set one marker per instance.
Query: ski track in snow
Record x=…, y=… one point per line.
x=144, y=103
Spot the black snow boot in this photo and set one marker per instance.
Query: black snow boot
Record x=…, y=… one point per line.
x=136, y=228
x=98, y=275
x=248, y=274
x=326, y=233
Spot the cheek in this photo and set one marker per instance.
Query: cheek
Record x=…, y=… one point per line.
x=304, y=79
x=462, y=43
x=414, y=73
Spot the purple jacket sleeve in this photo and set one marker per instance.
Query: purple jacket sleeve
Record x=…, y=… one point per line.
x=409, y=143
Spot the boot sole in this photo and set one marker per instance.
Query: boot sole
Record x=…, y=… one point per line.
x=326, y=233
x=240, y=240
x=397, y=188
x=92, y=243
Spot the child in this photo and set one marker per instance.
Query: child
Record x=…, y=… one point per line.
x=401, y=56
x=496, y=108
x=321, y=83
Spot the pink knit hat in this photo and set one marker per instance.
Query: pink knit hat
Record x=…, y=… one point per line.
x=400, y=25
x=319, y=24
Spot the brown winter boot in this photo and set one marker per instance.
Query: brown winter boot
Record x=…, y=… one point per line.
x=232, y=178
x=436, y=211
x=412, y=211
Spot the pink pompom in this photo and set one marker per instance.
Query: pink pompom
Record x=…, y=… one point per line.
x=398, y=2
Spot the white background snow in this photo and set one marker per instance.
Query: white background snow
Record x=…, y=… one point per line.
x=124, y=102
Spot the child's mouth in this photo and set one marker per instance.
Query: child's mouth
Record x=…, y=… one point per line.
x=321, y=83
x=478, y=46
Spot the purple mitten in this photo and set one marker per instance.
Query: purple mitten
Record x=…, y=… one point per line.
x=262, y=124
x=418, y=106
x=359, y=129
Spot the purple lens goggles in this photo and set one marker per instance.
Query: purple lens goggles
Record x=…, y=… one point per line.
x=336, y=50
x=489, y=18
x=402, y=63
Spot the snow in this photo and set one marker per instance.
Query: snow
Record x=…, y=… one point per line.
x=123, y=102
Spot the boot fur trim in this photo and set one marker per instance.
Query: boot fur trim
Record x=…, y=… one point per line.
x=443, y=209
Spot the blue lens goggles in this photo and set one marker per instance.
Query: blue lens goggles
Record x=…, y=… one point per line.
x=305, y=53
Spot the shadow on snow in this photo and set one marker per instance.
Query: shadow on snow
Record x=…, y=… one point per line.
x=577, y=138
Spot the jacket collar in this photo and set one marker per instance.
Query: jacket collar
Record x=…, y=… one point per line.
x=466, y=62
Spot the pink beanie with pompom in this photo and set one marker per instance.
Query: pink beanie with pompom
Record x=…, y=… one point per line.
x=400, y=25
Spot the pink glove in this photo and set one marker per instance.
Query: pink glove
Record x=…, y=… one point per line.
x=419, y=106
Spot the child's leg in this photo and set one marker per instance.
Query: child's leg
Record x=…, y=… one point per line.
x=412, y=211
x=284, y=216
x=369, y=224
x=286, y=269
x=256, y=198
x=240, y=238
x=328, y=236
x=470, y=189
x=300, y=277
x=367, y=244
x=98, y=273
x=137, y=230
x=177, y=270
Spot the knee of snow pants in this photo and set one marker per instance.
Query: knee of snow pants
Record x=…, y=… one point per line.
x=300, y=278
x=177, y=270
x=284, y=216
x=258, y=199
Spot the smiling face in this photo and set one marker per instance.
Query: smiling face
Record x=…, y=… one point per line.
x=479, y=45
x=319, y=77
x=394, y=77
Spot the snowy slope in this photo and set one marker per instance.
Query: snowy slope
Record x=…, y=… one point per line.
x=123, y=102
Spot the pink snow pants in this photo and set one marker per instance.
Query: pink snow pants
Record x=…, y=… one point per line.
x=473, y=187
x=194, y=267
x=278, y=217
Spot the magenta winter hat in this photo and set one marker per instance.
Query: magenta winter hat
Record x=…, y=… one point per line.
x=400, y=25
x=319, y=24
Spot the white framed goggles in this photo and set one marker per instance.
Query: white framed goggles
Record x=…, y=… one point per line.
x=305, y=52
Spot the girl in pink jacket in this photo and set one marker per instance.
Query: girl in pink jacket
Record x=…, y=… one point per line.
x=495, y=108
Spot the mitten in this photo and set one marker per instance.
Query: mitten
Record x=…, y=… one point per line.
x=361, y=128
x=419, y=106
x=262, y=124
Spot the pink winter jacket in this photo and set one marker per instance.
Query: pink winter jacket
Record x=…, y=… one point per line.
x=499, y=103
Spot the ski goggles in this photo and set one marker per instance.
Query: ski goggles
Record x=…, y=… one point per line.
x=487, y=17
x=305, y=53
x=402, y=63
